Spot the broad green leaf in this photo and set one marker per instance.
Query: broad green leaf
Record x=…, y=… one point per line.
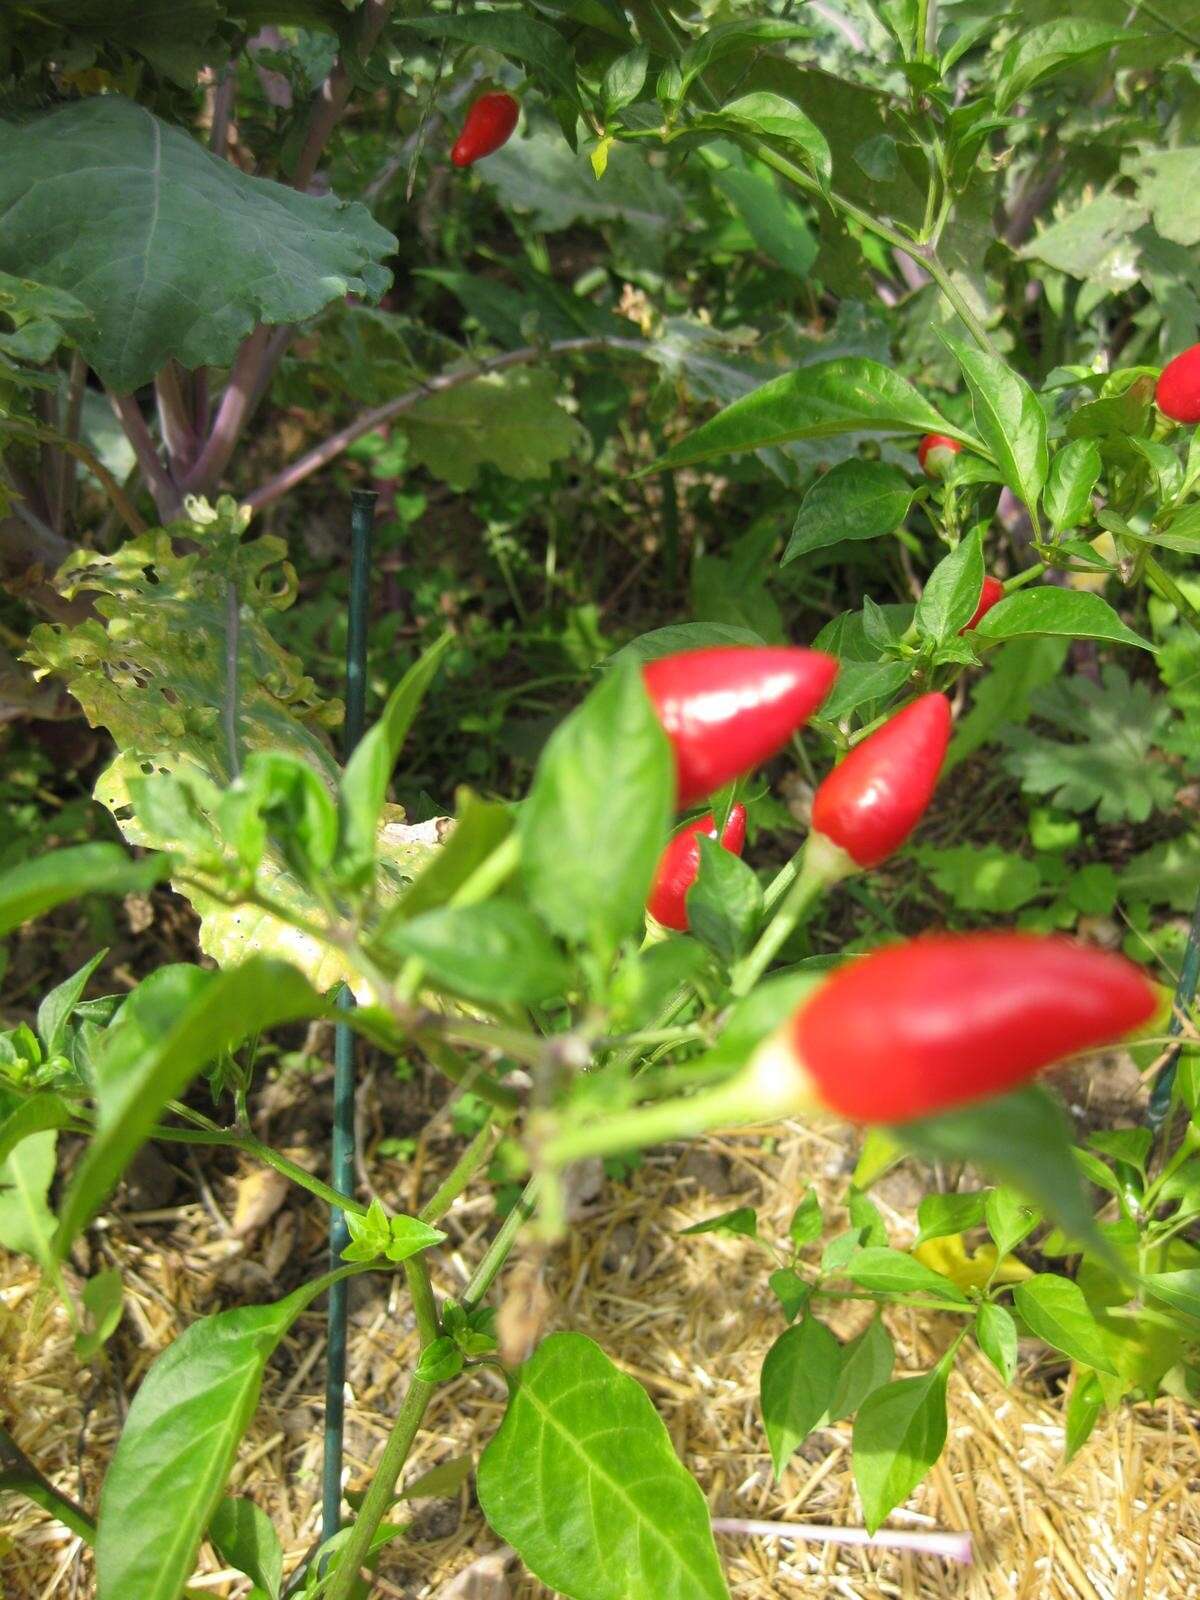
x=1002, y=697
x=597, y=816
x=683, y=636
x=894, y=1272
x=1094, y=241
x=172, y=1025
x=1054, y=1309
x=624, y=79
x=54, y=1013
x=1009, y=1217
x=774, y=221
x=496, y=952
x=807, y=1220
x=1037, y=52
x=363, y=786
x=777, y=118
x=1022, y=1138
x=534, y=44
x=1178, y=1289
x=1009, y=417
x=996, y=1334
x=864, y=683
x=815, y=402
x=727, y=38
x=26, y=1221
x=867, y=1363
x=38, y=886
x=799, y=1380
x=244, y=1537
x=40, y=1114
x=854, y=500
x=174, y=251
x=513, y=421
x=1168, y=181
x=898, y=1435
x=791, y=1290
x=982, y=877
x=1083, y=1410
x=1066, y=613
x=940, y=1215
x=866, y=1217
x=952, y=591
x=178, y=1444
x=1072, y=477
x=724, y=904
x=581, y=1480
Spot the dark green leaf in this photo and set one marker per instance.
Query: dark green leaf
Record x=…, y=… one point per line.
x=996, y=1333
x=952, y=591
x=1072, y=477
x=532, y=43
x=728, y=38
x=38, y=886
x=1067, y=613
x=497, y=951
x=724, y=905
x=243, y=1537
x=867, y=1362
x=1049, y=47
x=799, y=1380
x=683, y=636
x=898, y=1435
x=791, y=1290
x=1009, y=417
x=582, y=1481
x=854, y=500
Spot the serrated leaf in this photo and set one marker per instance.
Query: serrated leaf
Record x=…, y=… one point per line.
x=175, y=252
x=582, y=1481
x=509, y=420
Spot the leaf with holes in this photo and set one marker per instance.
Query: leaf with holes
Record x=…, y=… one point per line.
x=582, y=1481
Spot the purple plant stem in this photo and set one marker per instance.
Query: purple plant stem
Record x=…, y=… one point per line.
x=950, y=1546
x=158, y=479
x=329, y=449
x=231, y=414
x=333, y=94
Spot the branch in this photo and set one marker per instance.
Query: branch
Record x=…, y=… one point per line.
x=231, y=414
x=158, y=479
x=81, y=452
x=222, y=108
x=321, y=455
x=174, y=419
x=333, y=94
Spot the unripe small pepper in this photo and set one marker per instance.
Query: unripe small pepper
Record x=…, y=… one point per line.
x=940, y=1021
x=934, y=453
x=1178, y=389
x=727, y=710
x=488, y=125
x=991, y=594
x=872, y=801
x=680, y=863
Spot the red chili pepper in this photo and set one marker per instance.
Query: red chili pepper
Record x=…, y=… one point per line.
x=680, y=863
x=1178, y=390
x=991, y=594
x=936, y=445
x=872, y=801
x=489, y=124
x=729, y=709
x=940, y=1021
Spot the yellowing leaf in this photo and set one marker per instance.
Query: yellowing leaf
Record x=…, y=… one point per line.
x=599, y=158
x=949, y=1256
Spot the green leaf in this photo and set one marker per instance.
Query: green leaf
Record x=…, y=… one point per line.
x=774, y=221
x=54, y=1013
x=363, y=786
x=1178, y=1289
x=898, y=1435
x=177, y=1447
x=996, y=1334
x=776, y=118
x=1083, y=1411
x=582, y=1481
x=512, y=421
x=791, y=1290
x=741, y=1221
x=854, y=500
x=1168, y=181
x=172, y=1025
x=724, y=904
x=1022, y=1138
x=38, y=886
x=1009, y=1217
x=1073, y=474
x=244, y=1537
x=981, y=877
x=799, y=1380
x=174, y=251
x=683, y=636
x=104, y=1301
x=447, y=1478
x=26, y=1221
x=807, y=1221
x=866, y=1217
x=624, y=79
x=861, y=683
x=728, y=38
x=952, y=591
x=1067, y=613
x=1131, y=1145
x=1009, y=417
x=1039, y=51
x=1054, y=1309
x=524, y=39
x=894, y=1272
x=867, y=1363
x=1002, y=697
x=940, y=1215
x=440, y=1361
x=480, y=828
x=597, y=816
x=816, y=402
x=495, y=952
x=39, y=1114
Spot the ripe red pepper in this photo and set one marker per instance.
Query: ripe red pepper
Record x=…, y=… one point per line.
x=940, y=1021
x=680, y=863
x=489, y=124
x=934, y=452
x=991, y=594
x=1178, y=389
x=872, y=801
x=728, y=709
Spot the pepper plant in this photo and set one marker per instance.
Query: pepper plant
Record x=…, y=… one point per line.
x=185, y=219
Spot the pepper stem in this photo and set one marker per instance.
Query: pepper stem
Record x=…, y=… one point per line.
x=822, y=865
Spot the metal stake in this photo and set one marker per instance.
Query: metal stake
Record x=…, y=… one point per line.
x=362, y=522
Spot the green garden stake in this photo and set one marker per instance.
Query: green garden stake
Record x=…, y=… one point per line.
x=362, y=521
x=1185, y=992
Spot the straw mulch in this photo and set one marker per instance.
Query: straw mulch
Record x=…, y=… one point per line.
x=691, y=1319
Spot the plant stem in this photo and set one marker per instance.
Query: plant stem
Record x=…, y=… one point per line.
x=813, y=879
x=158, y=479
x=497, y=1252
x=459, y=1176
